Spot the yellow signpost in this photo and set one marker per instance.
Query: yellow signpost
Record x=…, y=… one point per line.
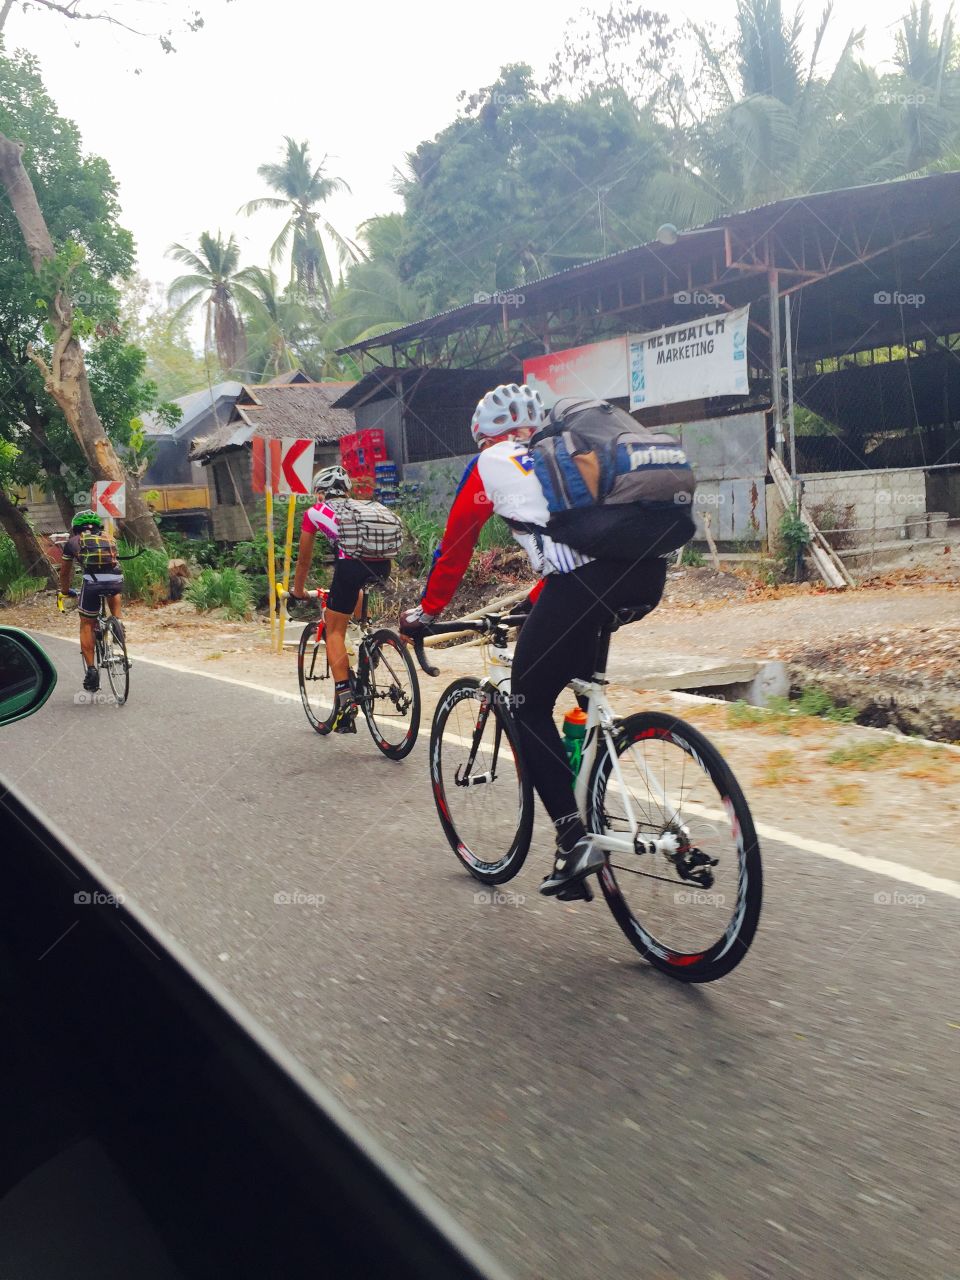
x=287, y=557
x=271, y=568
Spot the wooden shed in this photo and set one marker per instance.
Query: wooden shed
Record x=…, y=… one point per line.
x=300, y=409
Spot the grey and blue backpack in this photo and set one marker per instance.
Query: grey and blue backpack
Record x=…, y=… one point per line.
x=614, y=489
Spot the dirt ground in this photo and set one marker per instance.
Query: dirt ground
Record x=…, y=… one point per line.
x=820, y=779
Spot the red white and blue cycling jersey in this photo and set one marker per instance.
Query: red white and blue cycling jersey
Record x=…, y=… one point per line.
x=321, y=518
x=499, y=481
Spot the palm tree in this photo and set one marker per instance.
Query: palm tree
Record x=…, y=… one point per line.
x=214, y=283
x=373, y=298
x=282, y=330
x=303, y=189
x=772, y=134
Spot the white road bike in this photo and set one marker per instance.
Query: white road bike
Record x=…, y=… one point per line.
x=683, y=873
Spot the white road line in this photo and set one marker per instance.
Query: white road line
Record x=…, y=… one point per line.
x=137, y=658
x=834, y=852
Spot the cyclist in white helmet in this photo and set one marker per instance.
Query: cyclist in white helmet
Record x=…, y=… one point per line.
x=574, y=597
x=349, y=578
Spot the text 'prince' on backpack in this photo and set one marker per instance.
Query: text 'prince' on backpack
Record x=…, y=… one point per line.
x=367, y=530
x=614, y=489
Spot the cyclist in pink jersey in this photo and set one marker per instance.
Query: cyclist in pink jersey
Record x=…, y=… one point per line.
x=349, y=578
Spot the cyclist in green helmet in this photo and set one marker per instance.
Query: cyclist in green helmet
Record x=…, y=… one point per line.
x=96, y=554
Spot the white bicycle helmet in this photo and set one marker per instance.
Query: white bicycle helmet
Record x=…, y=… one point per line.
x=507, y=408
x=332, y=480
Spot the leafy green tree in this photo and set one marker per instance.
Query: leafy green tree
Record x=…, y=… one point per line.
x=171, y=362
x=374, y=298
x=62, y=253
x=303, y=188
x=519, y=186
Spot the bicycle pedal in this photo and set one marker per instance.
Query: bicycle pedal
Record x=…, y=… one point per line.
x=579, y=892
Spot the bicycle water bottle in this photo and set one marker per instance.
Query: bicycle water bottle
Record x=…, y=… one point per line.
x=574, y=732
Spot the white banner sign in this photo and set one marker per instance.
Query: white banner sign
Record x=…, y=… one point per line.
x=598, y=370
x=690, y=361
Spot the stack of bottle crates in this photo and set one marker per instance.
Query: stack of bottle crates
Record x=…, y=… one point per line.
x=361, y=453
x=387, y=484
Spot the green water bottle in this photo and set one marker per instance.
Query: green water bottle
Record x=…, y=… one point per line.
x=574, y=732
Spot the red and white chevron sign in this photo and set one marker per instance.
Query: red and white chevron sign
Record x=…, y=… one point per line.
x=296, y=465
x=110, y=498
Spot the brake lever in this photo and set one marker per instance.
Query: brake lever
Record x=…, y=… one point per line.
x=421, y=655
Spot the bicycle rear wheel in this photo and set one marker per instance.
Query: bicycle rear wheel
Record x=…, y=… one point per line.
x=317, y=685
x=483, y=796
x=692, y=909
x=389, y=693
x=114, y=660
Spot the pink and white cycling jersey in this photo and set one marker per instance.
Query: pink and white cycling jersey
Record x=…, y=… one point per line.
x=321, y=518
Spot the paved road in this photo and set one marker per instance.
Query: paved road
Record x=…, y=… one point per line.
x=580, y=1113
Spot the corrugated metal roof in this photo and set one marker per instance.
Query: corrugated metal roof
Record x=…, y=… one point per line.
x=192, y=406
x=938, y=188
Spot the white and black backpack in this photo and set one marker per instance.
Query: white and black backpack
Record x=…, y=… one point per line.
x=367, y=530
x=615, y=490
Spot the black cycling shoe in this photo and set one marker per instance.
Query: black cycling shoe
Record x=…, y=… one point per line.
x=579, y=892
x=345, y=720
x=571, y=869
x=91, y=681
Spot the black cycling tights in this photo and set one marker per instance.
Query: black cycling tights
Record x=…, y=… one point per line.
x=558, y=642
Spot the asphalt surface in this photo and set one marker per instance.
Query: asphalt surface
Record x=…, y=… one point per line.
x=581, y=1114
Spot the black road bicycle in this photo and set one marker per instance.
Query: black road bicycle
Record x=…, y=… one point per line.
x=109, y=649
x=386, y=687
x=682, y=876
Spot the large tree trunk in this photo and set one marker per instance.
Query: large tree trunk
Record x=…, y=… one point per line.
x=51, y=467
x=65, y=378
x=31, y=554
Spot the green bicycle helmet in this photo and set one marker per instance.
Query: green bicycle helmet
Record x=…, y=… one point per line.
x=86, y=520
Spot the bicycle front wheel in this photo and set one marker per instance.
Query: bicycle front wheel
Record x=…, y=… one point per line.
x=114, y=660
x=483, y=796
x=688, y=897
x=317, y=685
x=389, y=693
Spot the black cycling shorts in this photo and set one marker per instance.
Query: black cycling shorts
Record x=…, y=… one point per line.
x=91, y=593
x=349, y=576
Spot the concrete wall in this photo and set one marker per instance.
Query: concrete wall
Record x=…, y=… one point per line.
x=873, y=506
x=437, y=480
x=729, y=457
x=383, y=415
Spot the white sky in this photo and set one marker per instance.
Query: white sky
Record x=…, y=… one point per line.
x=363, y=83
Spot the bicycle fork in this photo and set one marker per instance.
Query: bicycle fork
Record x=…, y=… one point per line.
x=463, y=775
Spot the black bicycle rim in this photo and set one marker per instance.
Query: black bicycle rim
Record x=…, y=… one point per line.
x=509, y=808
x=115, y=661
x=671, y=915
x=314, y=678
x=389, y=693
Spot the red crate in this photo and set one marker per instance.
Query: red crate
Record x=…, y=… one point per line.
x=373, y=443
